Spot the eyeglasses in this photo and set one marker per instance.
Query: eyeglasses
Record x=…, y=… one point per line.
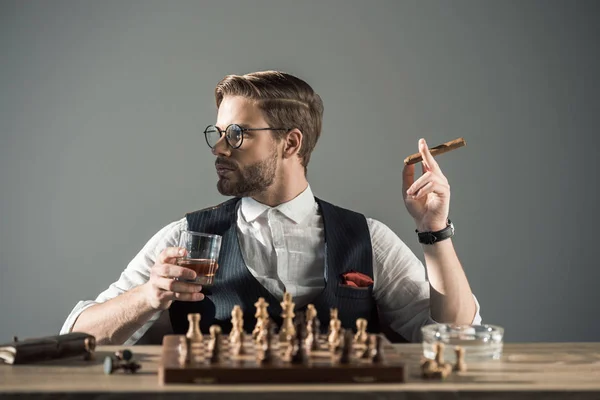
x=234, y=134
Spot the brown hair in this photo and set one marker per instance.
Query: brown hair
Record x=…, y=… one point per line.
x=286, y=102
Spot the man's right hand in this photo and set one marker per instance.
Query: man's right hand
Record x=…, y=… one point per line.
x=163, y=288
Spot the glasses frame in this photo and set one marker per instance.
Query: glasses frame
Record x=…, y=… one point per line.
x=242, y=129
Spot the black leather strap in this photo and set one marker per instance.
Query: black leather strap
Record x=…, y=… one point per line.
x=434, y=237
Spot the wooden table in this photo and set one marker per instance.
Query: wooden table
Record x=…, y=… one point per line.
x=548, y=370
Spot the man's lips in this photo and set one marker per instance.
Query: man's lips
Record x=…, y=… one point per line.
x=221, y=169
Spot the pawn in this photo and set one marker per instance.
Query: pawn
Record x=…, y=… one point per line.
x=361, y=336
x=311, y=313
x=288, y=350
x=334, y=336
x=378, y=357
x=215, y=335
x=261, y=308
x=300, y=357
x=312, y=337
x=370, y=349
x=194, y=333
x=346, y=357
x=333, y=316
x=215, y=355
x=265, y=353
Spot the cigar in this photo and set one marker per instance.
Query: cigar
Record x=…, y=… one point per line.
x=437, y=150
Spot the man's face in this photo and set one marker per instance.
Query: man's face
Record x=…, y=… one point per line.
x=251, y=168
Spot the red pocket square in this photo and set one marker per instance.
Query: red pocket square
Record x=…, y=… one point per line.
x=356, y=279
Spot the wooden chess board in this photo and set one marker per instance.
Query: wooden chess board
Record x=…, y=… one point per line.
x=245, y=368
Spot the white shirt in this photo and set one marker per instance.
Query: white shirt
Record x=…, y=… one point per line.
x=283, y=247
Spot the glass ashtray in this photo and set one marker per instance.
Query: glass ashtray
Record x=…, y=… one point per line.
x=481, y=342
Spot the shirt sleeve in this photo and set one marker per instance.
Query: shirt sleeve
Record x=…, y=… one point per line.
x=400, y=287
x=136, y=273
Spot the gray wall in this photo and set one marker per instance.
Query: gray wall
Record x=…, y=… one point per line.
x=102, y=105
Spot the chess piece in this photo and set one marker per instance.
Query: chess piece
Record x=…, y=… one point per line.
x=188, y=351
x=287, y=298
x=287, y=326
x=439, y=353
x=194, y=333
x=311, y=313
x=346, y=357
x=460, y=365
x=446, y=370
x=237, y=348
x=334, y=337
x=236, y=313
x=436, y=369
x=261, y=315
x=261, y=308
x=333, y=315
x=312, y=335
x=215, y=332
x=370, y=348
x=361, y=336
x=300, y=356
x=237, y=320
x=287, y=313
x=215, y=335
x=378, y=357
x=265, y=352
x=428, y=367
x=124, y=355
x=111, y=365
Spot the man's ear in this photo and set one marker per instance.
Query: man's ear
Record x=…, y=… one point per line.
x=292, y=143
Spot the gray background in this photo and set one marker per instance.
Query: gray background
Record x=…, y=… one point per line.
x=102, y=105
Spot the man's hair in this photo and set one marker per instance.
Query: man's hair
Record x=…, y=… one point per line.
x=286, y=102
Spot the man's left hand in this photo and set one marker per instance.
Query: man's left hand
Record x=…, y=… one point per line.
x=428, y=198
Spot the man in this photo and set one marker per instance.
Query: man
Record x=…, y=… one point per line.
x=278, y=237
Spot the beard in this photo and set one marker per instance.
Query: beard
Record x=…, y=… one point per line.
x=250, y=180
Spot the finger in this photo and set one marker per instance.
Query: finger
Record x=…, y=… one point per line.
x=408, y=178
x=175, y=271
x=169, y=254
x=431, y=187
x=428, y=162
x=188, y=296
x=425, y=178
x=172, y=285
x=424, y=190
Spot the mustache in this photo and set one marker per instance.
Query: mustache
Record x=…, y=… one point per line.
x=219, y=162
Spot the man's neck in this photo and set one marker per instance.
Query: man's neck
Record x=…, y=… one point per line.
x=282, y=193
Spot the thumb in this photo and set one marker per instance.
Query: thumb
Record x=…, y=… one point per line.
x=408, y=178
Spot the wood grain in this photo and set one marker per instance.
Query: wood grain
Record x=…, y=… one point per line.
x=555, y=370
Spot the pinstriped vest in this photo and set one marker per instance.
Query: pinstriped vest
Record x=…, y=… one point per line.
x=347, y=247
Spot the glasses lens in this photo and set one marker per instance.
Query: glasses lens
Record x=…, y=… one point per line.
x=212, y=135
x=234, y=135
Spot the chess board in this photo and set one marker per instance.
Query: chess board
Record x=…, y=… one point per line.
x=245, y=368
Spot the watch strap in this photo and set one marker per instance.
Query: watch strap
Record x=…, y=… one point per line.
x=434, y=237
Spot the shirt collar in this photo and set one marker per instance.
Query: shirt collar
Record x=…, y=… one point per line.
x=296, y=209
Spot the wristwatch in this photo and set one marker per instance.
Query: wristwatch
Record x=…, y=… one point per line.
x=433, y=237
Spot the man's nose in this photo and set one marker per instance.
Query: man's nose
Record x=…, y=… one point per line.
x=222, y=148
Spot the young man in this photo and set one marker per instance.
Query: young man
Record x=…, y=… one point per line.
x=278, y=237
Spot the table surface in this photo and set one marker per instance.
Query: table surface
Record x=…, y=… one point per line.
x=559, y=368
